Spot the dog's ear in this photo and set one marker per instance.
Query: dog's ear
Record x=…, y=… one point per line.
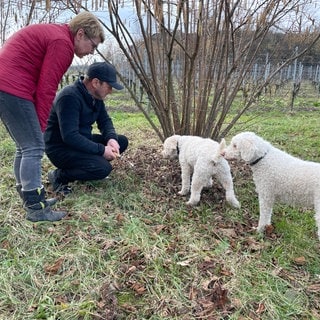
x=222, y=145
x=174, y=141
x=219, y=153
x=247, y=149
x=170, y=147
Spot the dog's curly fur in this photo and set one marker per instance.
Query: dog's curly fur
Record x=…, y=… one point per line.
x=200, y=158
x=278, y=176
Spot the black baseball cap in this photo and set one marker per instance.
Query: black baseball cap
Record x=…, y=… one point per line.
x=104, y=72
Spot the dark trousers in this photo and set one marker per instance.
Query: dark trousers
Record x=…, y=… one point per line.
x=76, y=165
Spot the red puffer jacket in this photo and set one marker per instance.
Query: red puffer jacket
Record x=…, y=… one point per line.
x=32, y=63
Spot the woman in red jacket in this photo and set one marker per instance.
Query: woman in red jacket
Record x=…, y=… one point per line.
x=32, y=63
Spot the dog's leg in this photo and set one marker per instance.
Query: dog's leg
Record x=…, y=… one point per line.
x=198, y=181
x=266, y=202
x=208, y=184
x=317, y=215
x=225, y=178
x=185, y=178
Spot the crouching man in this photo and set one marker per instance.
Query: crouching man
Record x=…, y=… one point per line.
x=70, y=144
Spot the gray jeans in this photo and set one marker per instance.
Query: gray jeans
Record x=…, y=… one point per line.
x=21, y=121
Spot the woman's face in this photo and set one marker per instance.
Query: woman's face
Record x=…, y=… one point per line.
x=83, y=45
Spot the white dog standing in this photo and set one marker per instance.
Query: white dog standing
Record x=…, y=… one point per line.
x=278, y=176
x=200, y=158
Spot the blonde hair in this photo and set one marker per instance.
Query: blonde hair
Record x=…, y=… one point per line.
x=89, y=23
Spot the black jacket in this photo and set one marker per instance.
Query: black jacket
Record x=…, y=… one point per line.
x=71, y=121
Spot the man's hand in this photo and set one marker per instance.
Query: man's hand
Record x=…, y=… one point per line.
x=112, y=150
x=108, y=153
x=114, y=146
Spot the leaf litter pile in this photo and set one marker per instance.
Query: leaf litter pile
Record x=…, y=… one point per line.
x=148, y=164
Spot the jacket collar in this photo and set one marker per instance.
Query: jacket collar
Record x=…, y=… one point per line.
x=90, y=100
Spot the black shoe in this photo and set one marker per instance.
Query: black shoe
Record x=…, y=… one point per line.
x=37, y=207
x=57, y=186
x=45, y=214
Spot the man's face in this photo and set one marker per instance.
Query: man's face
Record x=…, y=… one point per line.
x=101, y=90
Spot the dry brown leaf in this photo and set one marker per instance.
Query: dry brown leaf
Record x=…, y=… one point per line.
x=206, y=304
x=120, y=217
x=128, y=308
x=261, y=308
x=314, y=288
x=158, y=228
x=85, y=217
x=184, y=263
x=131, y=270
x=147, y=221
x=208, y=284
x=269, y=230
x=54, y=268
x=220, y=296
x=5, y=244
x=109, y=301
x=254, y=245
x=226, y=272
x=107, y=244
x=138, y=288
x=300, y=261
x=193, y=293
x=228, y=232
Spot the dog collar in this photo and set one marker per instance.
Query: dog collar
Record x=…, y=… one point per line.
x=257, y=160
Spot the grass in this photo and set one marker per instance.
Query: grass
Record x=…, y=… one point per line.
x=131, y=249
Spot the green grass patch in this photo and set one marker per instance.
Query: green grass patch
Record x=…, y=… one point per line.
x=131, y=249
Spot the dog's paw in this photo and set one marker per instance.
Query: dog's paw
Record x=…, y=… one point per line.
x=183, y=192
x=234, y=203
x=192, y=203
x=261, y=228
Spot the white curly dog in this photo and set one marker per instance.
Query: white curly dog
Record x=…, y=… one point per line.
x=200, y=158
x=278, y=176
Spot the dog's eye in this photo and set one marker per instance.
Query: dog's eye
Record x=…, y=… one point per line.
x=234, y=146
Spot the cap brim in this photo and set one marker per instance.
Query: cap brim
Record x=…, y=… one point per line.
x=116, y=85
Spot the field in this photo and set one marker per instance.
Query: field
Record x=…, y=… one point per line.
x=131, y=249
